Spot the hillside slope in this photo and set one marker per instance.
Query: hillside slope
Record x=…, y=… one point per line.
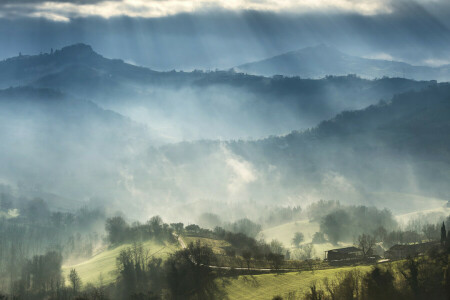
x=101, y=268
x=322, y=60
x=370, y=156
x=198, y=105
x=80, y=147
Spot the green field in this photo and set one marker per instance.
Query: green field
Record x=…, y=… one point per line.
x=101, y=268
x=285, y=232
x=268, y=285
x=103, y=264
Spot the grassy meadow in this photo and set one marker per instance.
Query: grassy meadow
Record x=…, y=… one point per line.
x=266, y=286
x=285, y=232
x=100, y=268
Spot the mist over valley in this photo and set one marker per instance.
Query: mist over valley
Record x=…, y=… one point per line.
x=168, y=150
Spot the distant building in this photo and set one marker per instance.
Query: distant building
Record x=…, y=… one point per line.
x=403, y=251
x=349, y=253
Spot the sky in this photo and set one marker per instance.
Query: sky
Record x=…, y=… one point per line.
x=206, y=34
x=64, y=10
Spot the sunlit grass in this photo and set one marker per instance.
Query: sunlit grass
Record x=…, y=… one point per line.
x=101, y=268
x=268, y=285
x=285, y=232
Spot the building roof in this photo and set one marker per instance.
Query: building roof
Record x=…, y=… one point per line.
x=345, y=250
x=420, y=246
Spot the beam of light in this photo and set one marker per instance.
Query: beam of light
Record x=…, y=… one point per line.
x=64, y=10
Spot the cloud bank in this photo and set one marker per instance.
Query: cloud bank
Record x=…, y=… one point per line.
x=65, y=10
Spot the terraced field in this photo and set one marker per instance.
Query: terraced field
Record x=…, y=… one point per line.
x=100, y=269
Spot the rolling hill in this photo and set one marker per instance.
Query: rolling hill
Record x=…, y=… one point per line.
x=47, y=132
x=198, y=104
x=359, y=156
x=320, y=61
x=94, y=147
x=101, y=268
x=266, y=286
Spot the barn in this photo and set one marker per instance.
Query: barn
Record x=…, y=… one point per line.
x=348, y=253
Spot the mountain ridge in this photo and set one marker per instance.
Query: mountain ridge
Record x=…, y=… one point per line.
x=322, y=60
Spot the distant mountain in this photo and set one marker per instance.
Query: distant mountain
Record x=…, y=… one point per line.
x=322, y=60
x=196, y=105
x=25, y=69
x=397, y=147
x=76, y=130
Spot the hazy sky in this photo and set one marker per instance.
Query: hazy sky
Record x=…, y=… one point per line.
x=64, y=10
x=206, y=34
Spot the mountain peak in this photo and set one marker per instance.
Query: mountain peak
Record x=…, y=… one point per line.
x=319, y=49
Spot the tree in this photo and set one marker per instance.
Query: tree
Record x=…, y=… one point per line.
x=335, y=225
x=178, y=227
x=380, y=234
x=247, y=256
x=276, y=247
x=116, y=228
x=314, y=293
x=431, y=231
x=45, y=272
x=319, y=238
x=366, y=243
x=410, y=271
x=297, y=239
x=307, y=252
x=37, y=210
x=246, y=227
x=189, y=275
x=276, y=260
x=193, y=228
x=379, y=284
x=443, y=234
x=75, y=281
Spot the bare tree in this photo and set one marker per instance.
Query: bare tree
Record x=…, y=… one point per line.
x=75, y=281
x=431, y=232
x=366, y=243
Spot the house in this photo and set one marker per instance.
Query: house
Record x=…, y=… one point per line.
x=403, y=251
x=349, y=253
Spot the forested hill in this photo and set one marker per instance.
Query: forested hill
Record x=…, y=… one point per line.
x=97, y=149
x=27, y=68
x=199, y=104
x=402, y=146
x=53, y=143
